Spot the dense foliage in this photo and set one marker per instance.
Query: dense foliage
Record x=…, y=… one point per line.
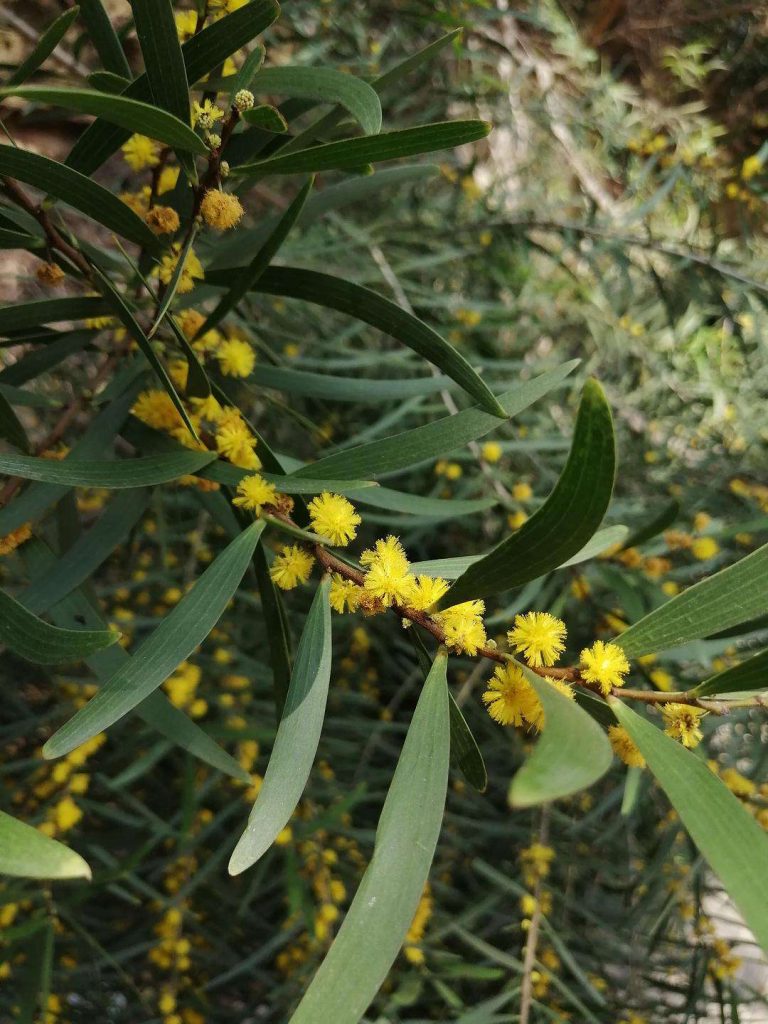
x=383, y=577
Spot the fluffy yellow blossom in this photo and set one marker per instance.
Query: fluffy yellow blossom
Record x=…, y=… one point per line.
x=193, y=269
x=334, y=517
x=751, y=167
x=539, y=637
x=140, y=152
x=167, y=180
x=536, y=861
x=510, y=699
x=221, y=210
x=681, y=722
x=418, y=926
x=492, y=451
x=522, y=492
x=254, y=492
x=292, y=566
x=16, y=537
x=186, y=22
x=738, y=784
x=388, y=576
x=704, y=548
x=162, y=220
x=66, y=814
x=604, y=664
x=624, y=747
x=463, y=626
x=137, y=201
x=428, y=591
x=155, y=408
x=49, y=274
x=235, y=441
x=345, y=595
x=236, y=358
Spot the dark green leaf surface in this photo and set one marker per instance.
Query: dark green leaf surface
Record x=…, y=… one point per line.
x=248, y=277
x=131, y=114
x=727, y=835
x=268, y=118
x=19, y=240
x=46, y=44
x=381, y=913
x=202, y=53
x=351, y=154
x=27, y=853
x=664, y=519
x=75, y=190
x=433, y=439
x=10, y=426
x=365, y=390
x=371, y=308
x=50, y=311
x=464, y=748
x=187, y=625
x=115, y=474
x=568, y=518
x=326, y=86
x=104, y=38
x=43, y=644
x=730, y=597
x=297, y=737
x=572, y=752
x=163, y=60
x=751, y=674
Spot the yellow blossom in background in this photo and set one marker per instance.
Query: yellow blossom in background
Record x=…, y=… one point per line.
x=140, y=152
x=334, y=517
x=162, y=220
x=624, y=747
x=418, y=927
x=751, y=166
x=605, y=665
x=291, y=567
x=516, y=519
x=235, y=441
x=16, y=537
x=704, y=548
x=539, y=637
x=155, y=408
x=167, y=180
x=191, y=272
x=66, y=814
x=428, y=591
x=221, y=210
x=345, y=594
x=463, y=626
x=236, y=358
x=49, y=274
x=738, y=784
x=254, y=492
x=681, y=722
x=492, y=451
x=186, y=22
x=536, y=861
x=522, y=492
x=388, y=572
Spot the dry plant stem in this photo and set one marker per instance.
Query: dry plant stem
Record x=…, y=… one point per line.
x=55, y=239
x=526, y=992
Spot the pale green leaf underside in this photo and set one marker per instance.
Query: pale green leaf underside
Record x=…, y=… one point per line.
x=27, y=853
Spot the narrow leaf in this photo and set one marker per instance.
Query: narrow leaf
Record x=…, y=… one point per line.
x=46, y=44
x=297, y=737
x=104, y=38
x=50, y=311
x=464, y=749
x=326, y=86
x=727, y=835
x=27, y=853
x=571, y=754
x=653, y=527
x=163, y=60
x=730, y=597
x=350, y=154
x=10, y=426
x=128, y=113
x=162, y=652
x=43, y=644
x=76, y=190
x=751, y=674
x=384, y=905
x=115, y=474
x=568, y=518
x=372, y=308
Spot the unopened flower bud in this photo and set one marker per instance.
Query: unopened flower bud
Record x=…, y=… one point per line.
x=243, y=100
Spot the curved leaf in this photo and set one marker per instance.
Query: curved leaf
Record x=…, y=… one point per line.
x=27, y=853
x=178, y=634
x=751, y=674
x=104, y=38
x=372, y=308
x=568, y=518
x=366, y=390
x=351, y=154
x=381, y=913
x=75, y=190
x=121, y=110
x=727, y=835
x=116, y=474
x=571, y=754
x=297, y=737
x=326, y=86
x=43, y=644
x=433, y=439
x=46, y=44
x=730, y=597
x=464, y=748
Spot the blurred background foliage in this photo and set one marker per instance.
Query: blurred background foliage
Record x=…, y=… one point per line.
x=616, y=215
